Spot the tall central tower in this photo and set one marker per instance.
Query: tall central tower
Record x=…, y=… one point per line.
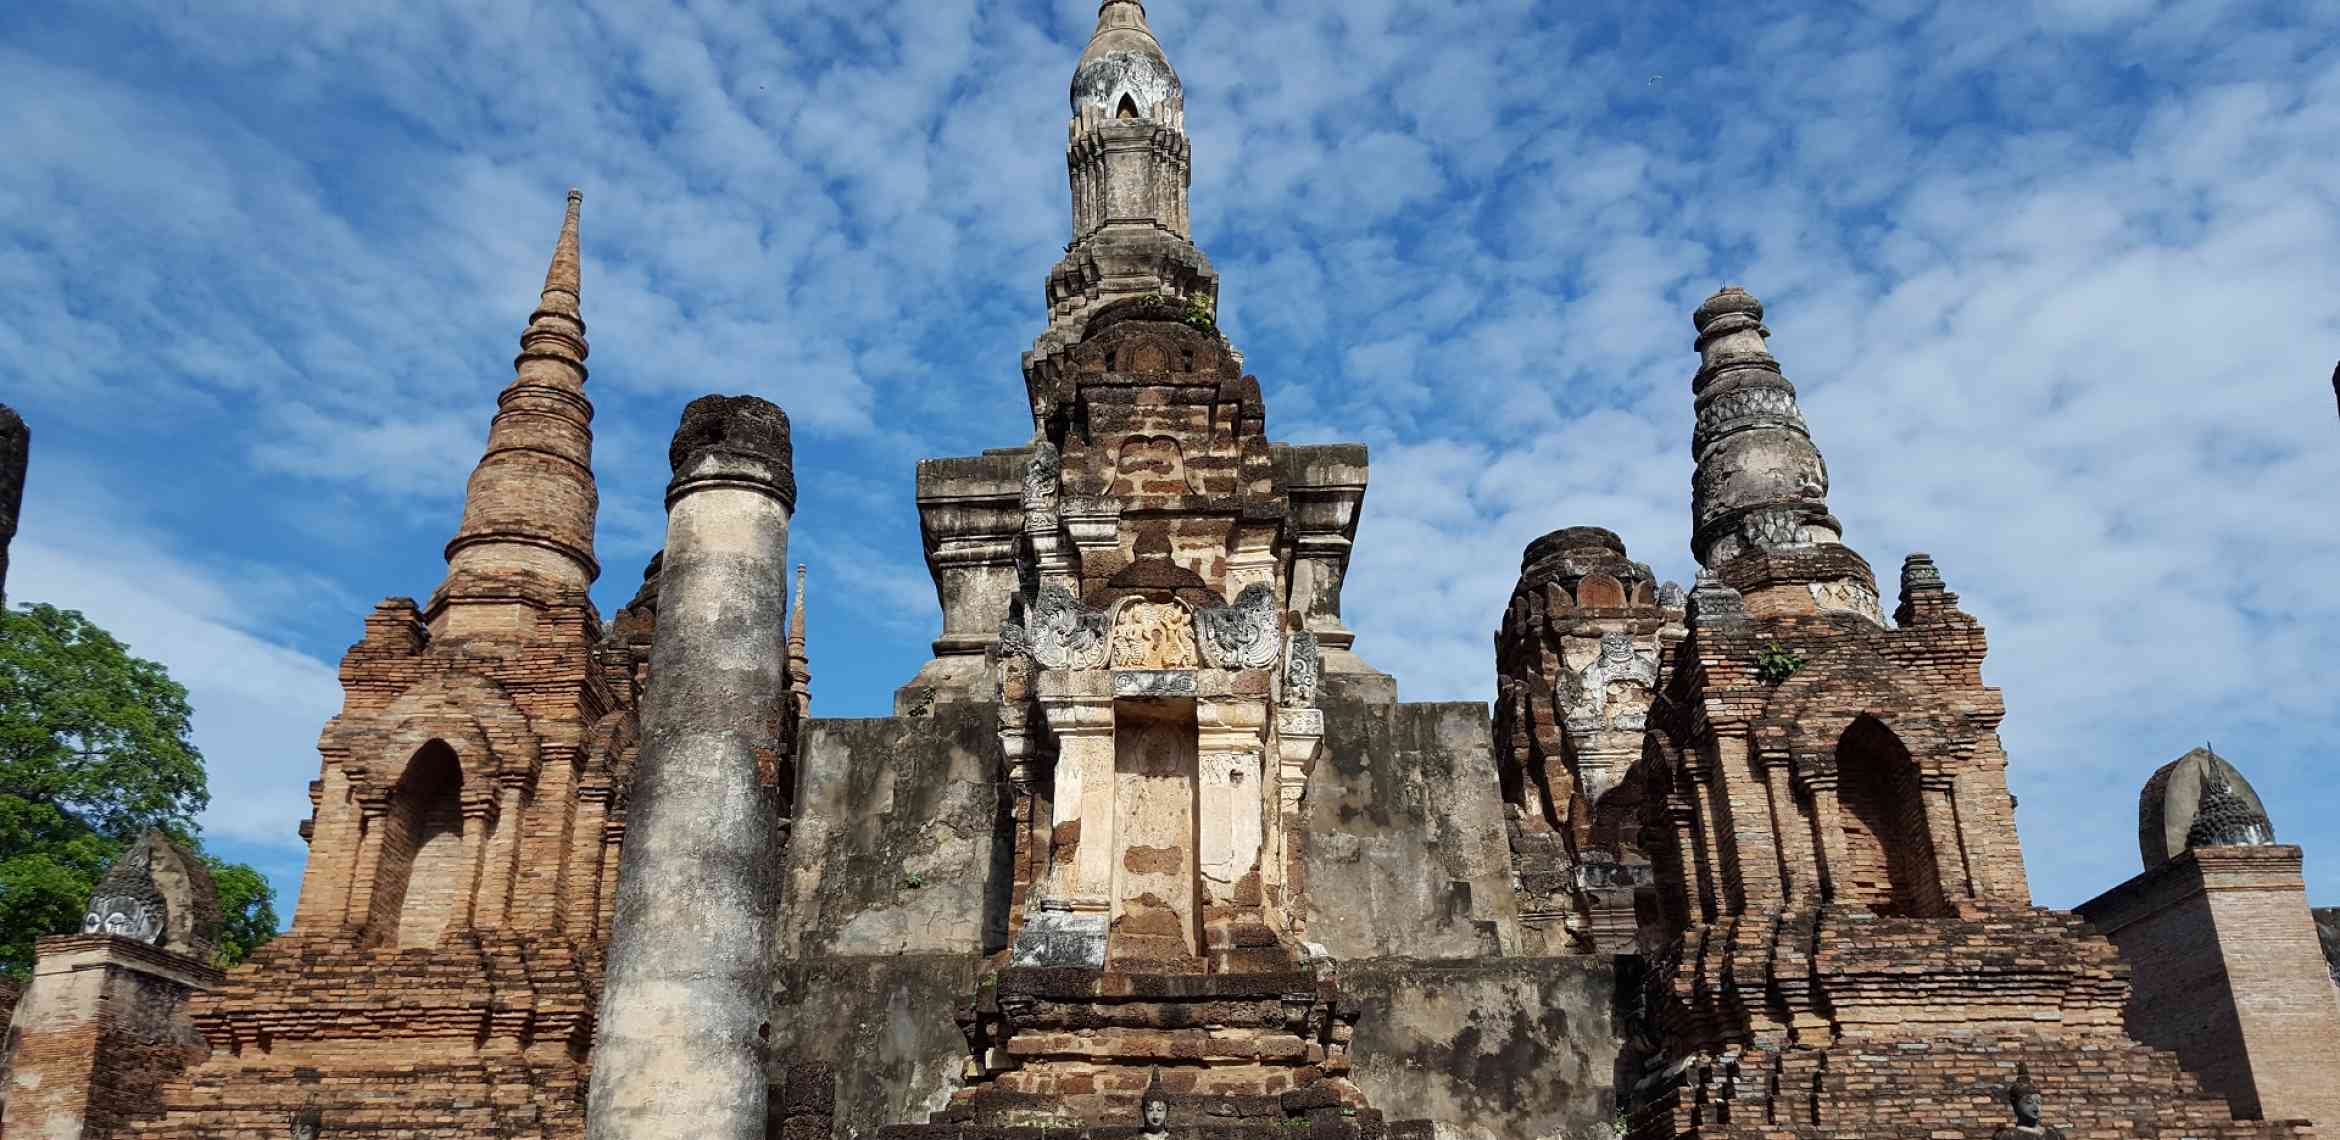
x=1131, y=167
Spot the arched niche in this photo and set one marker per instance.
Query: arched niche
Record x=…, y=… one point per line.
x=422, y=880
x=1888, y=848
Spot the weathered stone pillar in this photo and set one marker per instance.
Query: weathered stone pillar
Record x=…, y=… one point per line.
x=15, y=443
x=687, y=994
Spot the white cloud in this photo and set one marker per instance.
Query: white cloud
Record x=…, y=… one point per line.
x=259, y=704
x=2054, y=284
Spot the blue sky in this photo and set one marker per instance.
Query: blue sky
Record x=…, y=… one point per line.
x=2055, y=280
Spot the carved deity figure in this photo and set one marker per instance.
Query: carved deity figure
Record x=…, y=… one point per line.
x=1153, y=635
x=2222, y=818
x=127, y=903
x=2023, y=1097
x=1154, y=1109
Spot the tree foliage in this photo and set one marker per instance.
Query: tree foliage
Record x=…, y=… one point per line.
x=94, y=750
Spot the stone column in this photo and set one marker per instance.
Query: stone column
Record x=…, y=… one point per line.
x=1231, y=746
x=688, y=991
x=15, y=443
x=1327, y=488
x=1067, y=924
x=1083, y=848
x=1299, y=740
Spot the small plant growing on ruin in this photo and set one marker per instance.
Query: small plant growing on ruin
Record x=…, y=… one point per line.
x=912, y=880
x=1201, y=313
x=1775, y=662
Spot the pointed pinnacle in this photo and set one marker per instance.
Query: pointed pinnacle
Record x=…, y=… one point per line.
x=562, y=276
x=796, y=611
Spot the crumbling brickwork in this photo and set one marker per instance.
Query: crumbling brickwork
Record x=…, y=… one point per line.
x=101, y=1030
x=1148, y=849
x=443, y=966
x=1841, y=939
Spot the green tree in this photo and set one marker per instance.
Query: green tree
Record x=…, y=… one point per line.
x=94, y=750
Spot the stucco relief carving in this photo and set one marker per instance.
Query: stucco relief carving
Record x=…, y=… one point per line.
x=1303, y=669
x=1848, y=596
x=1773, y=528
x=1058, y=632
x=1750, y=403
x=1041, y=483
x=1613, y=691
x=1153, y=635
x=126, y=902
x=1246, y=635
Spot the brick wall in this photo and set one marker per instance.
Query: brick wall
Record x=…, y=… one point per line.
x=2230, y=975
x=104, y=1025
x=443, y=968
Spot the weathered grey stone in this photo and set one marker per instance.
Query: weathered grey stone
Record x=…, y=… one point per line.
x=1405, y=850
x=1493, y=1049
x=1123, y=60
x=971, y=517
x=1303, y=669
x=1326, y=484
x=1061, y=938
x=15, y=448
x=1153, y=683
x=1760, y=482
x=2175, y=796
x=1057, y=631
x=685, y=1001
x=157, y=893
x=885, y=1026
x=1246, y=635
x=898, y=845
x=2225, y=819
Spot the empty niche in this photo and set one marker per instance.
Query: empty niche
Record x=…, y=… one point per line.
x=419, y=878
x=1886, y=840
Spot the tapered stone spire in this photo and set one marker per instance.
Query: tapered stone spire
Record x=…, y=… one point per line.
x=1759, y=498
x=527, y=533
x=799, y=663
x=1124, y=73
x=1760, y=484
x=1130, y=167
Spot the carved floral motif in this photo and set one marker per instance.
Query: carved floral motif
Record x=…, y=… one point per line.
x=1303, y=669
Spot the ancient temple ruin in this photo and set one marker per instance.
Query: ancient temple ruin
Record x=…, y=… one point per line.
x=1147, y=848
